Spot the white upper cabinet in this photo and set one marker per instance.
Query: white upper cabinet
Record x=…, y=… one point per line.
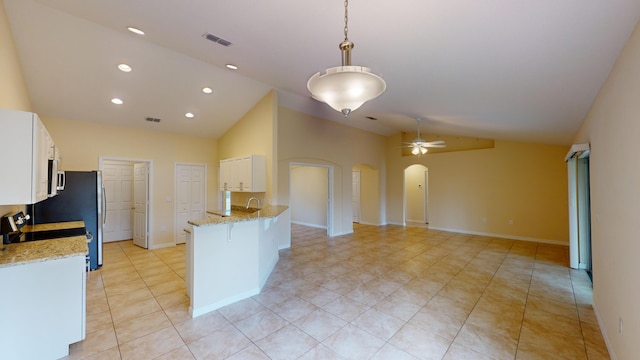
x=26, y=147
x=226, y=176
x=243, y=174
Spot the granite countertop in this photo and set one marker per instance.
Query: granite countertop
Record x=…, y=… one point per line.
x=43, y=250
x=53, y=226
x=238, y=214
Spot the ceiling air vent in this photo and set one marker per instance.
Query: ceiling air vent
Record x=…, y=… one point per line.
x=216, y=39
x=152, y=119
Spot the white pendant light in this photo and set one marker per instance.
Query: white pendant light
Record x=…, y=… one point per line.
x=345, y=88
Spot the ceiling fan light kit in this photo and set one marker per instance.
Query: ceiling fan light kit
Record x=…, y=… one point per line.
x=417, y=150
x=420, y=146
x=345, y=88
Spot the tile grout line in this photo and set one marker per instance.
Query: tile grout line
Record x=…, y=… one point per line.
x=526, y=301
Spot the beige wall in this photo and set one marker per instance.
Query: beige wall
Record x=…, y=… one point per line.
x=612, y=127
x=82, y=143
x=523, y=182
x=306, y=139
x=13, y=89
x=254, y=133
x=308, y=202
x=370, y=192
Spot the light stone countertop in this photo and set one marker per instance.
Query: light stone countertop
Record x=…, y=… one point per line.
x=53, y=226
x=238, y=215
x=43, y=250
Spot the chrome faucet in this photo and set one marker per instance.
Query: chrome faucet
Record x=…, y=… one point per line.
x=253, y=198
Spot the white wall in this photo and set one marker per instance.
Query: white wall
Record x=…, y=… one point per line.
x=308, y=198
x=612, y=127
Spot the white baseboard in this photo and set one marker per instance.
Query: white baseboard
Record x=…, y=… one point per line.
x=513, y=237
x=603, y=331
x=223, y=302
x=502, y=236
x=368, y=223
x=161, y=246
x=416, y=221
x=309, y=225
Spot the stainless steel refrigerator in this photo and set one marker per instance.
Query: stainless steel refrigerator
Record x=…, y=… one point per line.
x=83, y=199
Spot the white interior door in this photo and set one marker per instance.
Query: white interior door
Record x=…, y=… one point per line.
x=355, y=177
x=191, y=197
x=118, y=182
x=141, y=203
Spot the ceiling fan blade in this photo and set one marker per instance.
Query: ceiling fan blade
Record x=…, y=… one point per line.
x=436, y=142
x=435, y=145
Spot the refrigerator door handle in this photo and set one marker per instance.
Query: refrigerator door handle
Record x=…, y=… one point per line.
x=104, y=205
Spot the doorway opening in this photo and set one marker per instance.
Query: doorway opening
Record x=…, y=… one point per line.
x=580, y=250
x=365, y=199
x=355, y=199
x=127, y=184
x=310, y=195
x=416, y=196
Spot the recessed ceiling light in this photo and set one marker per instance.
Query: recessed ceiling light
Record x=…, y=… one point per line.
x=124, y=67
x=135, y=30
x=207, y=90
x=231, y=66
x=189, y=115
x=117, y=101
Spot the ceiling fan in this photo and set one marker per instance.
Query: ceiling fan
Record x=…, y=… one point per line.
x=420, y=146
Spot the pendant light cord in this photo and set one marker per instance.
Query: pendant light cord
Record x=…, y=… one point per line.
x=346, y=19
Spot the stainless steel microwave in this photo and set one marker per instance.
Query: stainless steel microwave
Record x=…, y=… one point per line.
x=56, y=179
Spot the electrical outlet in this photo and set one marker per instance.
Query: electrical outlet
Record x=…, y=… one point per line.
x=484, y=220
x=510, y=222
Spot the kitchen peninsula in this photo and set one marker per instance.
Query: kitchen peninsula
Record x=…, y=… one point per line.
x=231, y=255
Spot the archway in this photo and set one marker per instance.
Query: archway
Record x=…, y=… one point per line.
x=416, y=195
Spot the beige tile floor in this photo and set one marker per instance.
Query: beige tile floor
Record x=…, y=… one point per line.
x=380, y=293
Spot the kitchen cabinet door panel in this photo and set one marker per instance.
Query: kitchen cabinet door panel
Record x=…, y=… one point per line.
x=26, y=144
x=243, y=174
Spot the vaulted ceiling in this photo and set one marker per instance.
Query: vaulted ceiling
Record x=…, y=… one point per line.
x=523, y=70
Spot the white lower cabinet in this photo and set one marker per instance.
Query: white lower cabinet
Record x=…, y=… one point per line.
x=44, y=308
